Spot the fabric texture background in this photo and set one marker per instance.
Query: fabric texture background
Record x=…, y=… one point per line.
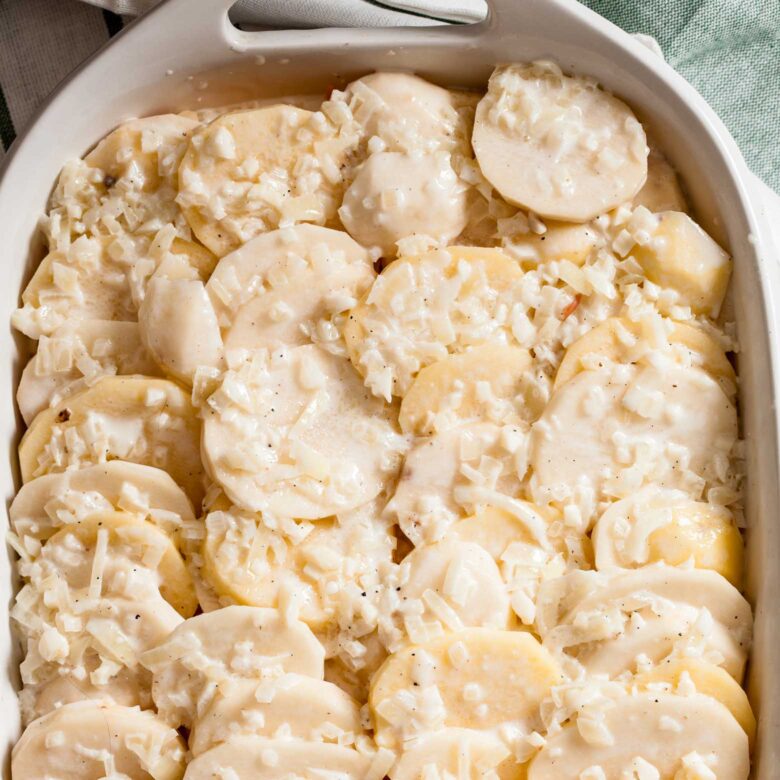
x=728, y=49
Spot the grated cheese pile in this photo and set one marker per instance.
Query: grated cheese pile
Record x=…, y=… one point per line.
x=387, y=436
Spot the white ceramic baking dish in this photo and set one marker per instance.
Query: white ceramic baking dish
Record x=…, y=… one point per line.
x=185, y=54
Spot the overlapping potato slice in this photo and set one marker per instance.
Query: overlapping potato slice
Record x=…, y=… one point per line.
x=621, y=340
x=251, y=171
x=522, y=561
x=396, y=195
x=477, y=678
x=285, y=287
x=680, y=255
x=251, y=563
x=614, y=429
x=138, y=419
x=661, y=191
x=424, y=307
x=484, y=383
x=92, y=740
x=656, y=525
x=450, y=585
x=86, y=280
x=470, y=754
x=658, y=734
x=308, y=709
x=74, y=356
x=574, y=243
x=610, y=622
x=558, y=145
x=78, y=646
x=106, y=553
x=294, y=433
x=686, y=675
x=179, y=327
x=446, y=475
x=128, y=688
x=261, y=758
x=407, y=113
x=46, y=504
x=232, y=642
x=126, y=185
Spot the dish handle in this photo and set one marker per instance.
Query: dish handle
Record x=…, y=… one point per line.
x=209, y=28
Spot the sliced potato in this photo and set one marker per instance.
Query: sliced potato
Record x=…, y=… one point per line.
x=482, y=384
x=311, y=709
x=657, y=525
x=453, y=583
x=249, y=171
x=285, y=287
x=670, y=733
x=232, y=642
x=179, y=327
x=661, y=191
x=261, y=758
x=130, y=544
x=91, y=740
x=470, y=754
x=558, y=145
x=396, y=195
x=621, y=340
x=446, y=475
x=483, y=678
x=296, y=434
x=707, y=679
x=681, y=256
x=250, y=563
x=608, y=622
x=74, y=355
x=138, y=419
x=560, y=241
x=617, y=428
x=424, y=307
x=45, y=504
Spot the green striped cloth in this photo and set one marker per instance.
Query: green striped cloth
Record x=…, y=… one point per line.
x=728, y=49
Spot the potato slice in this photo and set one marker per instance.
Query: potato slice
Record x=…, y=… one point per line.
x=675, y=735
x=522, y=561
x=102, y=551
x=707, y=679
x=621, y=340
x=622, y=426
x=138, y=419
x=559, y=241
x=260, y=758
x=483, y=678
x=395, y=195
x=482, y=384
x=311, y=709
x=249, y=171
x=179, y=327
x=610, y=621
x=558, y=145
x=250, y=563
x=47, y=503
x=656, y=525
x=450, y=585
x=424, y=307
x=470, y=754
x=232, y=642
x=286, y=287
x=296, y=434
x=74, y=355
x=661, y=191
x=681, y=256
x=446, y=475
x=91, y=740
